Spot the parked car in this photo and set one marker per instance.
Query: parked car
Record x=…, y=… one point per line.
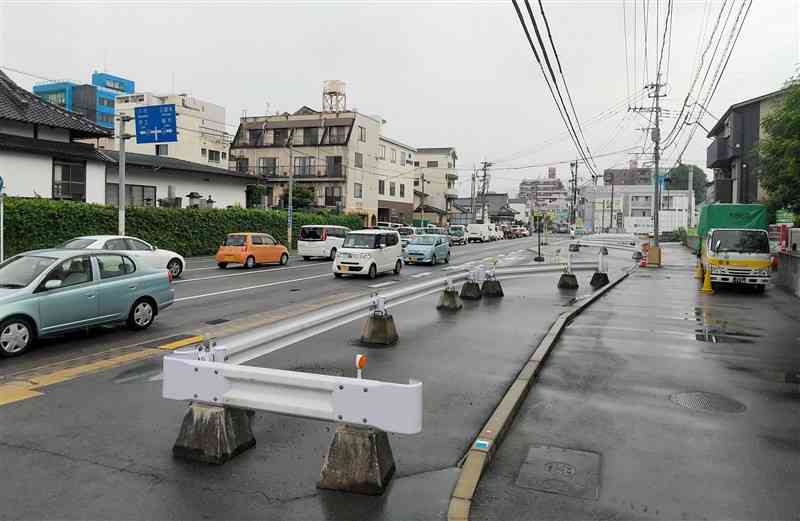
x=320, y=240
x=45, y=292
x=407, y=233
x=457, y=234
x=428, y=248
x=154, y=257
x=477, y=232
x=369, y=252
x=250, y=250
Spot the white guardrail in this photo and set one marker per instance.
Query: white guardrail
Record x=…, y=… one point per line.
x=212, y=374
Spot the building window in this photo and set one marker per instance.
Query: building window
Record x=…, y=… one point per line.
x=304, y=166
x=381, y=186
x=69, y=181
x=255, y=136
x=362, y=134
x=416, y=182
x=433, y=164
x=162, y=150
x=394, y=156
x=337, y=135
x=106, y=102
x=334, y=166
x=381, y=151
x=242, y=165
x=392, y=189
x=416, y=163
x=358, y=190
x=402, y=190
x=56, y=98
x=203, y=152
x=449, y=165
x=311, y=136
x=136, y=196
x=402, y=158
x=359, y=162
x=280, y=136
x=333, y=195
x=224, y=155
x=267, y=166
x=106, y=118
x=214, y=156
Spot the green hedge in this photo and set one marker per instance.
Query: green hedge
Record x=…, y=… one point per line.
x=44, y=223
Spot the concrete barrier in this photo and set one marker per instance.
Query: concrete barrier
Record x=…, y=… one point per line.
x=788, y=275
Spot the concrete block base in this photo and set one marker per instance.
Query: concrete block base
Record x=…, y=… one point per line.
x=471, y=291
x=449, y=300
x=214, y=434
x=492, y=288
x=599, y=280
x=379, y=330
x=568, y=281
x=359, y=460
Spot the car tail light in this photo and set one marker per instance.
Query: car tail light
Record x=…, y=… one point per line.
x=774, y=262
x=169, y=276
x=324, y=234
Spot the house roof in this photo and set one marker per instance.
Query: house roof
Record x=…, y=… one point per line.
x=430, y=209
x=438, y=150
x=17, y=104
x=59, y=149
x=715, y=129
x=398, y=143
x=169, y=163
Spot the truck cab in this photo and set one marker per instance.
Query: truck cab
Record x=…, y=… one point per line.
x=737, y=256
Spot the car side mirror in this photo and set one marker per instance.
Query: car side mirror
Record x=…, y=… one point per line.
x=152, y=248
x=52, y=284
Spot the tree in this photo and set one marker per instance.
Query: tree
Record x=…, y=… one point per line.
x=779, y=153
x=302, y=197
x=679, y=180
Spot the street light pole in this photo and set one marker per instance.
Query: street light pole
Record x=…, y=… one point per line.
x=122, y=191
x=291, y=187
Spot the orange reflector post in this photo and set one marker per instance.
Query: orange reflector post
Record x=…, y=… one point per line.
x=361, y=361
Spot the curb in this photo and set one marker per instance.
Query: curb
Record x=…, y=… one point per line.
x=485, y=444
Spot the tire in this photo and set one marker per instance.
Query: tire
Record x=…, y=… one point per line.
x=373, y=271
x=284, y=259
x=16, y=336
x=760, y=288
x=434, y=260
x=222, y=265
x=332, y=256
x=397, y=267
x=337, y=275
x=250, y=262
x=306, y=257
x=175, y=266
x=142, y=314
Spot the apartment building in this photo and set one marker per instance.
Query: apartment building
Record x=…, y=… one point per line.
x=436, y=169
x=201, y=129
x=546, y=194
x=395, y=174
x=629, y=208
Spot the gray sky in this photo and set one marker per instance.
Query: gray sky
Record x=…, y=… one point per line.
x=441, y=73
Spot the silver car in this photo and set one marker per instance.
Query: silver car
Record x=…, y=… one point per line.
x=46, y=292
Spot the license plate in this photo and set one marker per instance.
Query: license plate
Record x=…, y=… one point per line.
x=343, y=268
x=412, y=259
x=738, y=280
x=231, y=257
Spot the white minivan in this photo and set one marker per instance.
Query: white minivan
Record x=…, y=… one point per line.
x=477, y=232
x=320, y=240
x=369, y=252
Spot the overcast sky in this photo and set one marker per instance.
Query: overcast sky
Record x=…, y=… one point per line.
x=455, y=74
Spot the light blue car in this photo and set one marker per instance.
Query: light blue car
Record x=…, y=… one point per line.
x=428, y=248
x=46, y=292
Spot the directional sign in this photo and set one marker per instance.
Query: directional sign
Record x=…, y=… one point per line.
x=156, y=124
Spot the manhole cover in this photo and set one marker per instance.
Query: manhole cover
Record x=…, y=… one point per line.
x=710, y=402
x=568, y=472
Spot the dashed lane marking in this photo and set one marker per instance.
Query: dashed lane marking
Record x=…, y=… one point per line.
x=423, y=274
x=383, y=284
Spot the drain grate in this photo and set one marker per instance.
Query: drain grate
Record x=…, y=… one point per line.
x=710, y=402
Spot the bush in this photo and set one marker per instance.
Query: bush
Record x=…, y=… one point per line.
x=44, y=223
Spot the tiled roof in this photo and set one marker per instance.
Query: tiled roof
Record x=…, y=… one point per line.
x=59, y=149
x=17, y=104
x=170, y=163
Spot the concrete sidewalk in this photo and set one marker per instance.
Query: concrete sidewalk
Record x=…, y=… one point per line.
x=659, y=402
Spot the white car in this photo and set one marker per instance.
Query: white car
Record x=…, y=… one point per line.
x=151, y=255
x=369, y=252
x=320, y=240
x=477, y=232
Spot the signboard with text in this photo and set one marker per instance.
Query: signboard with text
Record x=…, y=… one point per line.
x=156, y=124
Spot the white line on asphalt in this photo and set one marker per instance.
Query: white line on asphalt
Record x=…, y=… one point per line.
x=247, y=288
x=383, y=284
x=423, y=274
x=215, y=267
x=247, y=272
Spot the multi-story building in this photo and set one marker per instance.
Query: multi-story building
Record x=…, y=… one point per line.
x=95, y=101
x=201, y=129
x=436, y=167
x=733, y=153
x=633, y=175
x=546, y=195
x=629, y=208
x=395, y=174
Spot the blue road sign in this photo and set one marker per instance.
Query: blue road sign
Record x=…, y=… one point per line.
x=156, y=124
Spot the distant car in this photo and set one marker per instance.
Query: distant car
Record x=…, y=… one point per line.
x=369, y=252
x=250, y=250
x=428, y=248
x=574, y=247
x=320, y=240
x=154, y=257
x=407, y=233
x=457, y=234
x=46, y=292
x=477, y=232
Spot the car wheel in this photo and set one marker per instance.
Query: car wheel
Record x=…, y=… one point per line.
x=760, y=288
x=142, y=314
x=333, y=254
x=373, y=271
x=175, y=266
x=337, y=275
x=250, y=262
x=397, y=267
x=222, y=265
x=16, y=336
x=306, y=257
x=284, y=259
x=434, y=261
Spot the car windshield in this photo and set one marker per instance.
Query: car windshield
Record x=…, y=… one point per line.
x=425, y=240
x=18, y=272
x=405, y=231
x=456, y=231
x=77, y=244
x=741, y=241
x=311, y=233
x=361, y=240
x=235, y=240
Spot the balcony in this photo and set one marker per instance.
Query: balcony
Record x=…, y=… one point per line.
x=719, y=153
x=301, y=174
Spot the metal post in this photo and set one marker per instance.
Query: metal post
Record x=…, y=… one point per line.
x=690, y=202
x=613, y=222
x=538, y=223
x=122, y=191
x=291, y=187
x=656, y=157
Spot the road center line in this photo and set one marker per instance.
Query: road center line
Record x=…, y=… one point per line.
x=248, y=288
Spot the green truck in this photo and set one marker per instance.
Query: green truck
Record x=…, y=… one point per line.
x=734, y=245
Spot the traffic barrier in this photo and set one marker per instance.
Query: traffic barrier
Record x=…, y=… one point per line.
x=449, y=300
x=491, y=286
x=698, y=271
x=214, y=434
x=707, y=286
x=379, y=329
x=568, y=280
x=471, y=289
x=600, y=277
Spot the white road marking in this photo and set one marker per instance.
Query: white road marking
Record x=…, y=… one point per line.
x=245, y=272
x=247, y=288
x=383, y=284
x=423, y=274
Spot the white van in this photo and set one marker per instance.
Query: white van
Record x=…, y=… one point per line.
x=320, y=240
x=369, y=252
x=479, y=232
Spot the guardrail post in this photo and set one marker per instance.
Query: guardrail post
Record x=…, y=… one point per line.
x=600, y=277
x=471, y=289
x=379, y=329
x=359, y=460
x=214, y=434
x=449, y=299
x=568, y=280
x=491, y=286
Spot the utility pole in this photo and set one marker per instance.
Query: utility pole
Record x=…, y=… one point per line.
x=613, y=219
x=422, y=199
x=291, y=188
x=472, y=193
x=485, y=165
x=122, y=191
x=574, y=182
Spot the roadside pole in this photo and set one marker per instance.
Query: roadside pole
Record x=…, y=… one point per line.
x=613, y=221
x=538, y=221
x=2, y=221
x=122, y=192
x=291, y=187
